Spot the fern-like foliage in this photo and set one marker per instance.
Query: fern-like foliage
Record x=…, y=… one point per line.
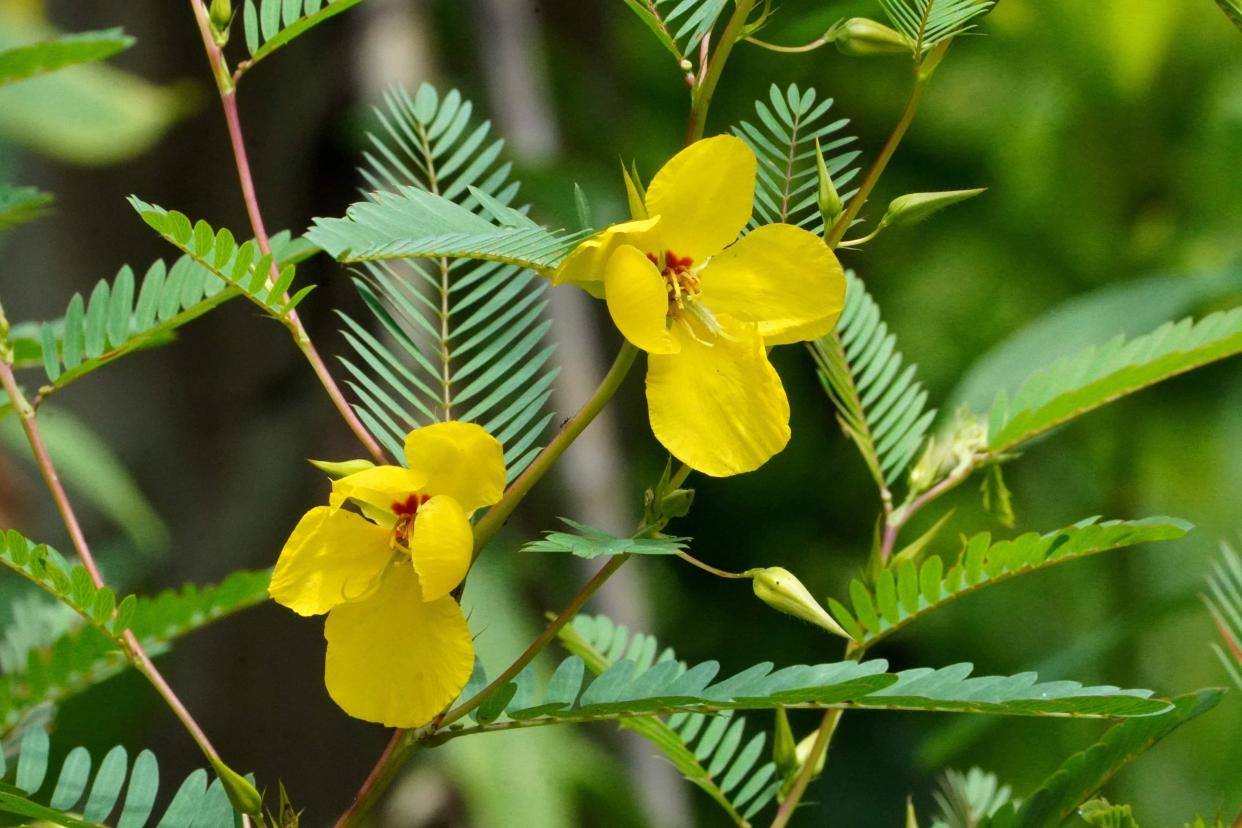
x=127, y=314
x=461, y=339
x=929, y=22
x=120, y=794
x=965, y=799
x=242, y=267
x=19, y=205
x=679, y=25
x=908, y=591
x=783, y=138
x=880, y=402
x=1224, y=602
x=589, y=542
x=702, y=748
x=1100, y=813
x=644, y=686
x=75, y=659
x=271, y=24
x=1073, y=386
x=1080, y=776
x=23, y=62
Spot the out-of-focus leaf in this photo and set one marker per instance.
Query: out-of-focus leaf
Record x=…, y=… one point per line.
x=20, y=62
x=19, y=205
x=93, y=474
x=589, y=542
x=87, y=114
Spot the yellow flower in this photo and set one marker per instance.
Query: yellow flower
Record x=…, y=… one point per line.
x=399, y=648
x=705, y=305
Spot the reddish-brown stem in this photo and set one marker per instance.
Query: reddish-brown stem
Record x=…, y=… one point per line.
x=376, y=780
x=137, y=655
x=228, y=100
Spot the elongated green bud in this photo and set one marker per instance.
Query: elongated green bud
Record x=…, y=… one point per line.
x=343, y=468
x=914, y=207
x=220, y=15
x=778, y=588
x=241, y=793
x=784, y=750
x=862, y=37
x=830, y=206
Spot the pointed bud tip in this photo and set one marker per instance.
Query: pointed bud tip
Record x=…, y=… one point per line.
x=344, y=468
x=780, y=589
x=243, y=795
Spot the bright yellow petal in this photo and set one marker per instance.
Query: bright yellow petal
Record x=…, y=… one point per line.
x=460, y=460
x=441, y=546
x=719, y=407
x=395, y=659
x=638, y=300
x=379, y=491
x=781, y=277
x=585, y=266
x=704, y=196
x=332, y=557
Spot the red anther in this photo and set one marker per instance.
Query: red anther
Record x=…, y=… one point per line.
x=408, y=508
x=655, y=260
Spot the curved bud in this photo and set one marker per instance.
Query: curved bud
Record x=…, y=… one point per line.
x=830, y=206
x=241, y=793
x=778, y=588
x=343, y=468
x=914, y=207
x=862, y=37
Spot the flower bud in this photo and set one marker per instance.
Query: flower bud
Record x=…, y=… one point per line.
x=862, y=37
x=778, y=588
x=784, y=751
x=241, y=793
x=830, y=206
x=220, y=15
x=914, y=207
x=343, y=468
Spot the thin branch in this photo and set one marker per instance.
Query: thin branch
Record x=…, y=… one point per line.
x=133, y=650
x=228, y=100
x=701, y=95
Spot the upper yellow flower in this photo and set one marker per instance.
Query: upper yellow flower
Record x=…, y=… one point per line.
x=399, y=648
x=705, y=305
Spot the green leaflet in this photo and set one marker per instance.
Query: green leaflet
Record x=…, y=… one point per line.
x=783, y=138
x=589, y=542
x=907, y=592
x=19, y=205
x=87, y=655
x=416, y=224
x=462, y=339
x=128, y=314
x=1084, y=773
x=271, y=24
x=928, y=22
x=117, y=794
x=1224, y=602
x=219, y=258
x=644, y=686
x=700, y=747
x=1073, y=386
x=880, y=403
x=679, y=25
x=23, y=62
x=964, y=799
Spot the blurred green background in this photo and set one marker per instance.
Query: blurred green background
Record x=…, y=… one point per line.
x=1109, y=135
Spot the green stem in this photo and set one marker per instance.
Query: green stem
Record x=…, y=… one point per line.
x=701, y=95
x=921, y=77
x=490, y=524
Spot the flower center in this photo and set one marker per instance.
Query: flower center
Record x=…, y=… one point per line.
x=680, y=279
x=406, y=510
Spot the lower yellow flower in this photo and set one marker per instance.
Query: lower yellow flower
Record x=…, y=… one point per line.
x=705, y=305
x=399, y=648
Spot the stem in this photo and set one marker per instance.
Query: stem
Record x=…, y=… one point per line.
x=228, y=101
x=378, y=780
x=701, y=95
x=706, y=567
x=901, y=516
x=776, y=47
x=133, y=650
x=495, y=518
x=827, y=726
x=921, y=76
